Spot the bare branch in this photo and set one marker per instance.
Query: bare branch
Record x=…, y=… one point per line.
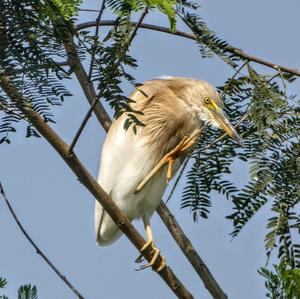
x=38, y=250
x=88, y=10
x=90, y=183
x=137, y=25
x=235, y=51
x=189, y=251
x=85, y=83
x=85, y=120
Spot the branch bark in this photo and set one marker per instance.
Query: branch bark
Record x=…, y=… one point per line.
x=189, y=251
x=85, y=83
x=238, y=52
x=90, y=183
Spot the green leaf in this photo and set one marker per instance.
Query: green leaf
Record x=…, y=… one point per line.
x=27, y=292
x=64, y=8
x=3, y=282
x=167, y=7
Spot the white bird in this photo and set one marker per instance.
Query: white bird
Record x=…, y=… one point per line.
x=134, y=167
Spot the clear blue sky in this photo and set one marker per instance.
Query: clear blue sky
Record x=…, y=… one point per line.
x=58, y=211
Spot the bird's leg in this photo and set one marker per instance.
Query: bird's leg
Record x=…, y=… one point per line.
x=154, y=249
x=187, y=142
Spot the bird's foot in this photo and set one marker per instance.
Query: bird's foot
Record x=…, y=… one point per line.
x=186, y=143
x=154, y=258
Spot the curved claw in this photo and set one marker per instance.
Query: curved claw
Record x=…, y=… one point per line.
x=139, y=259
x=156, y=252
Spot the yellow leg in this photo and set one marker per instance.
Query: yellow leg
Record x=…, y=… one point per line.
x=154, y=249
x=171, y=162
x=170, y=158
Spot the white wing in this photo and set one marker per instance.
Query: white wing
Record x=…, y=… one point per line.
x=125, y=161
x=117, y=149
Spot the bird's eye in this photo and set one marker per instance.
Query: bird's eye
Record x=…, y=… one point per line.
x=207, y=100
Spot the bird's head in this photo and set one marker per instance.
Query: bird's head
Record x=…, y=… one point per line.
x=209, y=108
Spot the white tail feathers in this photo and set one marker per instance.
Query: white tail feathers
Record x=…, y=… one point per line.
x=106, y=230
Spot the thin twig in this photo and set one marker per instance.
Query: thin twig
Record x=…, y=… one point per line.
x=88, y=10
x=137, y=25
x=96, y=99
x=85, y=83
x=38, y=250
x=96, y=38
x=235, y=51
x=84, y=122
x=91, y=184
x=233, y=77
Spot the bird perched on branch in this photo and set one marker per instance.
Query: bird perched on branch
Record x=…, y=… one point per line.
x=135, y=167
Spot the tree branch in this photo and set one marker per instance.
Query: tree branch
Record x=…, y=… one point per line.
x=90, y=183
x=136, y=27
x=38, y=250
x=85, y=83
x=189, y=251
x=235, y=51
x=100, y=92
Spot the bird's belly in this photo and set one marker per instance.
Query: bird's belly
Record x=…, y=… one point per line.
x=136, y=205
x=153, y=192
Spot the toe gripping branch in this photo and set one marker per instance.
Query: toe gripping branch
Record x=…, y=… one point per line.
x=157, y=261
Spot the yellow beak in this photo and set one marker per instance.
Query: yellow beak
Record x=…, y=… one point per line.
x=224, y=123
